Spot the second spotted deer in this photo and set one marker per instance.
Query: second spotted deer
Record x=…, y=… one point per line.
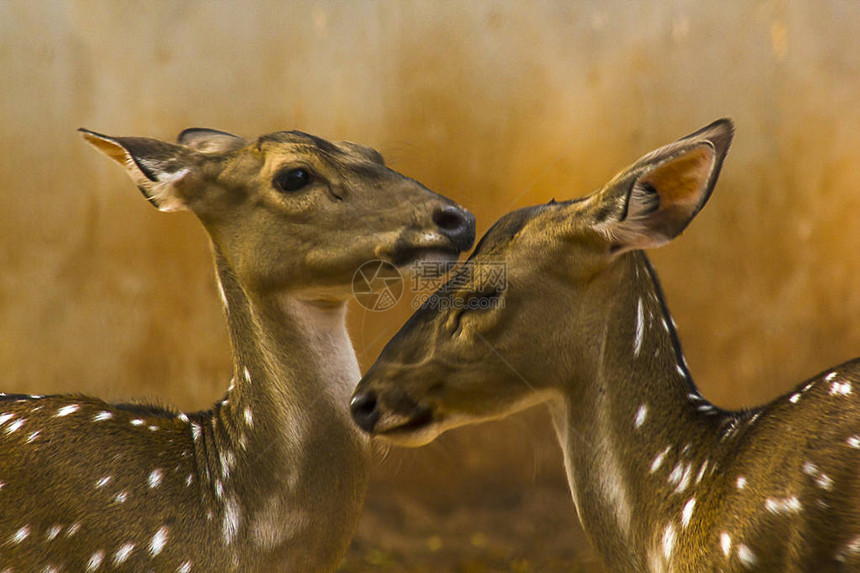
x=273, y=477
x=662, y=479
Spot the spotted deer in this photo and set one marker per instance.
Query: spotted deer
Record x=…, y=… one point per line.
x=662, y=479
x=273, y=477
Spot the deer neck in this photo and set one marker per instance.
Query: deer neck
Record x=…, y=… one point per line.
x=286, y=414
x=634, y=429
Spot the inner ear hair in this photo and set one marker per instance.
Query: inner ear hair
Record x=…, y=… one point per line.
x=682, y=179
x=663, y=198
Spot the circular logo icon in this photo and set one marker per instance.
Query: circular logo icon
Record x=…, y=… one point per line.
x=377, y=285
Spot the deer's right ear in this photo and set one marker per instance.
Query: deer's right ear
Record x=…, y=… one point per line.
x=158, y=169
x=655, y=199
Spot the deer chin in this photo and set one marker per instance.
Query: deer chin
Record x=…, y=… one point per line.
x=418, y=430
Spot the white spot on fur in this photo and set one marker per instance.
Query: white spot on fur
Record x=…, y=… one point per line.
x=794, y=398
x=840, y=388
x=102, y=482
x=676, y=473
x=701, y=473
x=225, y=467
x=853, y=441
x=6, y=417
x=668, y=541
x=33, y=436
x=851, y=548
x=783, y=505
x=15, y=425
x=232, y=516
x=249, y=417
x=824, y=482
x=658, y=461
x=184, y=568
x=685, y=478
x=741, y=482
x=154, y=478
x=830, y=376
x=102, y=416
x=73, y=528
x=687, y=512
x=726, y=543
x=195, y=431
x=66, y=410
x=680, y=370
x=641, y=414
x=53, y=532
x=188, y=480
x=183, y=417
x=746, y=556
x=158, y=541
x=640, y=329
x=20, y=535
x=122, y=553
x=247, y=375
x=137, y=422
x=121, y=497
x=95, y=560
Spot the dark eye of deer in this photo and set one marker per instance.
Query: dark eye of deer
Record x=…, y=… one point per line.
x=292, y=180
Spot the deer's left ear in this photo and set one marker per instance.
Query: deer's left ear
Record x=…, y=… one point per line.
x=159, y=169
x=655, y=199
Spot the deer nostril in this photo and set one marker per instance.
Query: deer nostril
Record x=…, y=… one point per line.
x=364, y=411
x=457, y=224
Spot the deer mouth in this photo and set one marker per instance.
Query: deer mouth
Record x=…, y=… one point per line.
x=418, y=421
x=428, y=245
x=420, y=429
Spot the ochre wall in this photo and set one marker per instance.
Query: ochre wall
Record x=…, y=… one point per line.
x=495, y=104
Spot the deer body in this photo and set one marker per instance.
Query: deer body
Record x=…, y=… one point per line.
x=273, y=477
x=663, y=480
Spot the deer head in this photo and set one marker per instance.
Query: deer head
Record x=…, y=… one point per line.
x=290, y=211
x=481, y=347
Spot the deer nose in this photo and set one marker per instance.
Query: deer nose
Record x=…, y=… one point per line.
x=364, y=411
x=457, y=224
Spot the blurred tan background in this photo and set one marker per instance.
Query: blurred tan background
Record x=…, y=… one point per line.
x=495, y=104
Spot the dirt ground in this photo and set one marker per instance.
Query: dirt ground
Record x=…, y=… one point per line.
x=533, y=532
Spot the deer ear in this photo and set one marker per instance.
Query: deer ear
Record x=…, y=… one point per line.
x=654, y=200
x=157, y=168
x=210, y=140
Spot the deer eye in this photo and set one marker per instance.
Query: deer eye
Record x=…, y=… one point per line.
x=290, y=180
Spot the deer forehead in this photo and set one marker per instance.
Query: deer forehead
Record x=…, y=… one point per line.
x=306, y=145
